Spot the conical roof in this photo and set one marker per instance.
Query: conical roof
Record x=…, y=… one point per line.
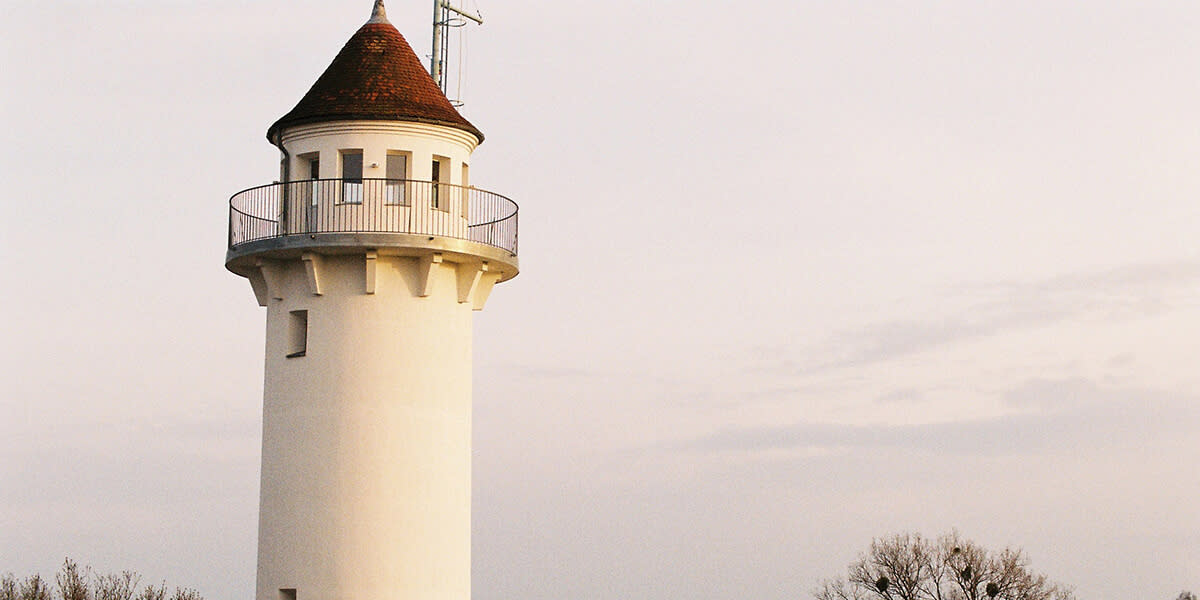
x=375, y=77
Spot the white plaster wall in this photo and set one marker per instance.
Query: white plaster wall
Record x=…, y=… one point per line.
x=366, y=477
x=376, y=139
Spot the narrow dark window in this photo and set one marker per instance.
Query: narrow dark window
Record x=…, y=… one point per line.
x=297, y=333
x=352, y=177
x=287, y=594
x=314, y=192
x=435, y=200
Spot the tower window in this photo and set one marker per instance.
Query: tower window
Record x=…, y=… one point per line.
x=310, y=169
x=287, y=594
x=352, y=177
x=439, y=198
x=397, y=173
x=297, y=333
x=314, y=173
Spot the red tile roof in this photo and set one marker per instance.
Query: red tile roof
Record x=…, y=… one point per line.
x=378, y=77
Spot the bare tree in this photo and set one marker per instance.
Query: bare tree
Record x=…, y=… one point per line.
x=911, y=567
x=34, y=588
x=117, y=586
x=153, y=593
x=1186, y=595
x=73, y=583
x=8, y=587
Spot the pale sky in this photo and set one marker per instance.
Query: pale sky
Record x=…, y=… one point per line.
x=794, y=275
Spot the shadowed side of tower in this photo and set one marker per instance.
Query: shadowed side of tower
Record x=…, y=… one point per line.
x=370, y=256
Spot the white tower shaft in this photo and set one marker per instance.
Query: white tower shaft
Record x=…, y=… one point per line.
x=367, y=493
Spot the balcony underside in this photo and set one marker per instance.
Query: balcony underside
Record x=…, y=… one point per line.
x=243, y=258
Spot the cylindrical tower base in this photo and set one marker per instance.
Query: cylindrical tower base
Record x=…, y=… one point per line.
x=366, y=472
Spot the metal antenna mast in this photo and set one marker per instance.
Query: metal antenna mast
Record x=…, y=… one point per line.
x=442, y=22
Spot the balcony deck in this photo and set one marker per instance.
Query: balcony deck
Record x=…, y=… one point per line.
x=376, y=213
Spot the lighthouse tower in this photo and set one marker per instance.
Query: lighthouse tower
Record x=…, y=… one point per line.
x=370, y=255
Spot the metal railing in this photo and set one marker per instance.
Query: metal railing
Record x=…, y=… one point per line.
x=372, y=206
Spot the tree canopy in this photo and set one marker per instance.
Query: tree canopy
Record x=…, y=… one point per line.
x=911, y=567
x=73, y=583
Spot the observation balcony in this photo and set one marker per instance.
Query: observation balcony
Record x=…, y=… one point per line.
x=401, y=215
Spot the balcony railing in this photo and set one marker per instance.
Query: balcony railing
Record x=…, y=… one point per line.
x=314, y=206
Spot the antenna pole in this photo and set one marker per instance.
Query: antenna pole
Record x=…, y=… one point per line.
x=435, y=58
x=441, y=22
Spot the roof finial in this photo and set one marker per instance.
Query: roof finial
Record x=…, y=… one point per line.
x=379, y=13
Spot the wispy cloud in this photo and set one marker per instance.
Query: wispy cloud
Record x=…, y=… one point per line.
x=1123, y=293
x=1055, y=414
x=1145, y=277
x=556, y=372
